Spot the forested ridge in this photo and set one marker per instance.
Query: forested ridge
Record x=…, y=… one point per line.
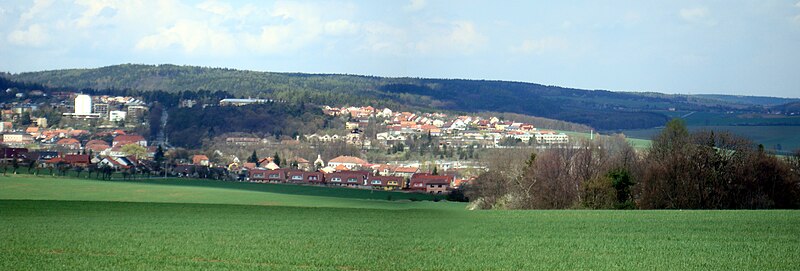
x=605, y=110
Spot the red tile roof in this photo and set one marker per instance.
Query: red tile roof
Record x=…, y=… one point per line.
x=348, y=160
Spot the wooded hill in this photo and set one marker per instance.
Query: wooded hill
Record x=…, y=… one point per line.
x=601, y=109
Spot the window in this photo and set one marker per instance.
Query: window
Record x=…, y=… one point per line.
x=418, y=185
x=312, y=178
x=274, y=175
x=297, y=177
x=392, y=183
x=352, y=180
x=336, y=180
x=376, y=181
x=258, y=175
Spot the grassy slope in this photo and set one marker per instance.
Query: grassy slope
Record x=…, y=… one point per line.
x=200, y=191
x=80, y=235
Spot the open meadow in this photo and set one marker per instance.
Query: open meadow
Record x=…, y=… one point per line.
x=49, y=223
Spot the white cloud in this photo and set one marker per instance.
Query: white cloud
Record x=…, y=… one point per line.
x=797, y=5
x=460, y=37
x=193, y=37
x=94, y=8
x=415, y=5
x=34, y=35
x=215, y=7
x=383, y=38
x=36, y=9
x=541, y=46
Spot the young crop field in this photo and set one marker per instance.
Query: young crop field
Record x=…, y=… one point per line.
x=207, y=191
x=299, y=231
x=783, y=139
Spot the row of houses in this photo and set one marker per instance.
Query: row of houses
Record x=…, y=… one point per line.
x=419, y=182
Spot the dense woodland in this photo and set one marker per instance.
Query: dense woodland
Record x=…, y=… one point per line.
x=187, y=127
x=681, y=170
x=604, y=110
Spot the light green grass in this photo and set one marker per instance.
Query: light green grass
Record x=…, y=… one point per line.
x=240, y=234
x=201, y=191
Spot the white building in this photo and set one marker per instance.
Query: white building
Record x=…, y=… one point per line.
x=116, y=115
x=551, y=138
x=83, y=108
x=83, y=104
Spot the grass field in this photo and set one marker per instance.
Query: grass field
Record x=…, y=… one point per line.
x=787, y=136
x=205, y=191
x=95, y=228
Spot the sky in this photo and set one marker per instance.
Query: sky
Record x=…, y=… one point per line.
x=682, y=47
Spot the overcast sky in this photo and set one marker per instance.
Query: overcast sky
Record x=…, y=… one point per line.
x=727, y=47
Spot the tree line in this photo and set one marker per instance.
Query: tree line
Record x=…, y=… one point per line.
x=681, y=170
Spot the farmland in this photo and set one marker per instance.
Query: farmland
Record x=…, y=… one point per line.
x=51, y=223
x=783, y=139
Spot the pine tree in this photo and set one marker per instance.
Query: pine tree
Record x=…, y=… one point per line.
x=253, y=158
x=159, y=156
x=276, y=159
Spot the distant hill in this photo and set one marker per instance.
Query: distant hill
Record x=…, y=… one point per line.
x=601, y=109
x=792, y=108
x=748, y=100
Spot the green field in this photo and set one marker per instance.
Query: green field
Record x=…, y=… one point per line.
x=788, y=137
x=67, y=224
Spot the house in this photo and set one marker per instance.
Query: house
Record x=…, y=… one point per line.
x=122, y=140
x=267, y=175
x=69, y=144
x=348, y=162
x=17, y=139
x=40, y=156
x=10, y=154
x=314, y=177
x=429, y=183
x=385, y=182
x=405, y=172
x=300, y=163
x=347, y=178
x=118, y=163
x=97, y=146
x=78, y=160
x=200, y=159
x=184, y=170
x=299, y=176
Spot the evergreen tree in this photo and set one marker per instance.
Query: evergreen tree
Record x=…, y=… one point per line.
x=276, y=159
x=159, y=156
x=253, y=158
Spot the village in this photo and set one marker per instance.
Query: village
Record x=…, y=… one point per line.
x=104, y=134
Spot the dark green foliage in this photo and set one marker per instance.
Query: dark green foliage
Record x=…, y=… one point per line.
x=253, y=158
x=713, y=170
x=276, y=159
x=622, y=183
x=598, y=108
x=159, y=155
x=188, y=126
